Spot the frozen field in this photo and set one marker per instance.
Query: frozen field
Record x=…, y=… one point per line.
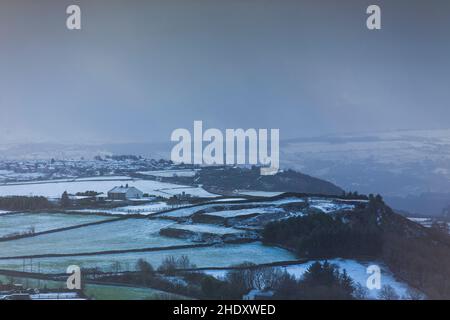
x=23, y=222
x=216, y=256
x=144, y=209
x=186, y=212
x=243, y=212
x=54, y=188
x=11, y=175
x=206, y=228
x=170, y=173
x=102, y=178
x=174, y=189
x=119, y=235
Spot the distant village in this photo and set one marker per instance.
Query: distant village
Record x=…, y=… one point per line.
x=30, y=170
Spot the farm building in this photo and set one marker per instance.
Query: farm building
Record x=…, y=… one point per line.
x=124, y=193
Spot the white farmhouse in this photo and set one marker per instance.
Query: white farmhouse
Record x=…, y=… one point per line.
x=124, y=193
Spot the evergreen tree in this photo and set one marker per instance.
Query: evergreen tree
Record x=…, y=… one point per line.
x=65, y=200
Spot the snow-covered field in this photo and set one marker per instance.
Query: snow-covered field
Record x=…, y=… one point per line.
x=243, y=212
x=186, y=212
x=24, y=222
x=11, y=175
x=206, y=228
x=120, y=235
x=144, y=209
x=215, y=256
x=260, y=193
x=101, y=178
x=170, y=173
x=229, y=199
x=54, y=188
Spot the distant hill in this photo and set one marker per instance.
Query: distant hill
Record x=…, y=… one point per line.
x=228, y=179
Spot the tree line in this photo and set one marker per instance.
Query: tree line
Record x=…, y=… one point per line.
x=19, y=203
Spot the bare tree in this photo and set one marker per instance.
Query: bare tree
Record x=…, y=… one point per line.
x=360, y=292
x=388, y=293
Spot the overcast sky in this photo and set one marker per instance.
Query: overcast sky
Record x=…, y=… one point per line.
x=139, y=69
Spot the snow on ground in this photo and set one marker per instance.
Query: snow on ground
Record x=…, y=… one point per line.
x=177, y=189
x=283, y=201
x=54, y=188
x=354, y=200
x=242, y=212
x=11, y=175
x=426, y=222
x=118, y=235
x=329, y=206
x=170, y=173
x=186, y=212
x=357, y=270
x=216, y=256
x=229, y=199
x=26, y=222
x=420, y=220
x=3, y=212
x=101, y=178
x=144, y=209
x=206, y=228
x=260, y=193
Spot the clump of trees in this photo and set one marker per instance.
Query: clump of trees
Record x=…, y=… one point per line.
x=354, y=195
x=322, y=236
x=65, y=200
x=171, y=264
x=321, y=281
x=145, y=270
x=89, y=193
x=241, y=280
